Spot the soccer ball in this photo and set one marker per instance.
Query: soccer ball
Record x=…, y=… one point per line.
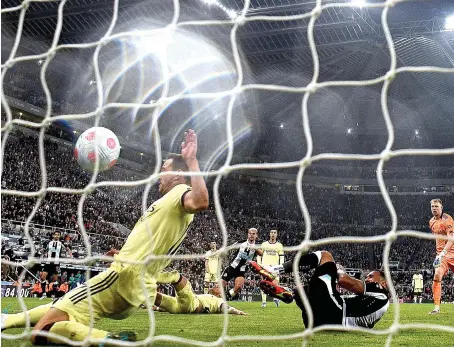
x=97, y=138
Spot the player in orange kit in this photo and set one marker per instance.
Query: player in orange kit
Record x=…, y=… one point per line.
x=441, y=224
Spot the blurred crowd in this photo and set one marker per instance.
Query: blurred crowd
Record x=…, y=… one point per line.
x=246, y=202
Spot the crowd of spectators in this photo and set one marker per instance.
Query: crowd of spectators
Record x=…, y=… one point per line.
x=246, y=202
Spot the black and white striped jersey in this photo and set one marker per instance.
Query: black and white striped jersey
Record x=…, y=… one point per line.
x=367, y=309
x=54, y=249
x=243, y=256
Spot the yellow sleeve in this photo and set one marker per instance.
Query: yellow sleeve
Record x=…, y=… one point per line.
x=177, y=195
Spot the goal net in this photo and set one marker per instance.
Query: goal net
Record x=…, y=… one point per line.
x=232, y=20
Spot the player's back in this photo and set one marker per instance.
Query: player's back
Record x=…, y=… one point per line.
x=211, y=303
x=54, y=249
x=243, y=255
x=443, y=226
x=367, y=309
x=160, y=231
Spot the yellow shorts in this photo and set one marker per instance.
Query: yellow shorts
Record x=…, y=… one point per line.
x=185, y=301
x=211, y=277
x=106, y=300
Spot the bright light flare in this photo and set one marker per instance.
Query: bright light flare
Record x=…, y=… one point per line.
x=359, y=3
x=449, y=23
x=230, y=13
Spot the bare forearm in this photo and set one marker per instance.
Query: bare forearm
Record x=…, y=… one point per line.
x=448, y=246
x=351, y=284
x=199, y=189
x=235, y=311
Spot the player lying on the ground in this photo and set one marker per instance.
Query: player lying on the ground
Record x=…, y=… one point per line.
x=238, y=265
x=186, y=301
x=117, y=292
x=364, y=309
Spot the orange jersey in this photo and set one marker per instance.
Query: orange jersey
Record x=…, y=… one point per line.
x=443, y=226
x=37, y=288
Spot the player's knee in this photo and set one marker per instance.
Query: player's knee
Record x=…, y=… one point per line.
x=181, y=283
x=438, y=277
x=326, y=257
x=38, y=338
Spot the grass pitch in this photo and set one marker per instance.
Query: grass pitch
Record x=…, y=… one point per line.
x=271, y=320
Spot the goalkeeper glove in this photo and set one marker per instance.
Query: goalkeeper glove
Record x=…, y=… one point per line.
x=437, y=261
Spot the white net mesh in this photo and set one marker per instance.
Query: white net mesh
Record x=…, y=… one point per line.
x=238, y=19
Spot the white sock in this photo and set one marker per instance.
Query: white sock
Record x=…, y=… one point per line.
x=437, y=307
x=278, y=269
x=319, y=256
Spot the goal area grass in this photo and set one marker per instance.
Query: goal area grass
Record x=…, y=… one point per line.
x=271, y=320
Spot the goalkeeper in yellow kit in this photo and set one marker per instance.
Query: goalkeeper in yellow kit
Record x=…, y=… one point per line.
x=273, y=254
x=186, y=301
x=117, y=292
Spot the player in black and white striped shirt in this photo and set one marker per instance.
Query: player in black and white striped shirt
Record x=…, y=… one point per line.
x=52, y=261
x=364, y=308
x=238, y=265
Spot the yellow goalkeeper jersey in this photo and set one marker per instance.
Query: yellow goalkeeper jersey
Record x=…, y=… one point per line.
x=213, y=260
x=160, y=231
x=273, y=253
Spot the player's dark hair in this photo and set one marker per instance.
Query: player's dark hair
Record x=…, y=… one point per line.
x=178, y=163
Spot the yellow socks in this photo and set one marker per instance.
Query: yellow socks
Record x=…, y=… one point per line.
x=74, y=331
x=18, y=320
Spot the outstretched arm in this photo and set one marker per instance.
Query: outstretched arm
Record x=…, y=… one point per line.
x=235, y=311
x=197, y=199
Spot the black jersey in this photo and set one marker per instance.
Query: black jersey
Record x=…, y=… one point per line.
x=54, y=249
x=367, y=309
